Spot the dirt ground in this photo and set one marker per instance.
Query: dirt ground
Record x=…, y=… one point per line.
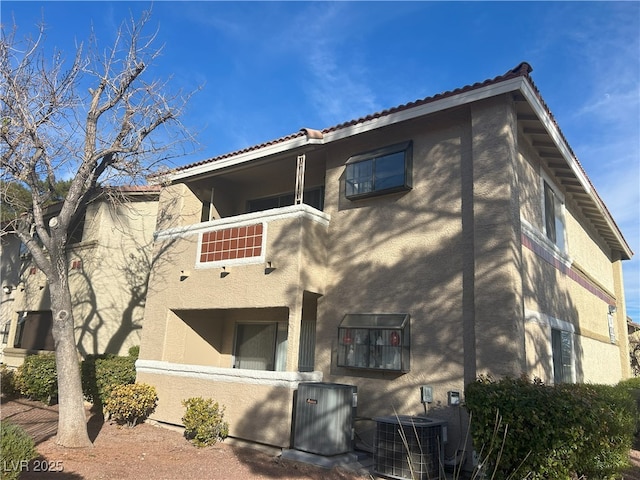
x=147, y=452
x=153, y=452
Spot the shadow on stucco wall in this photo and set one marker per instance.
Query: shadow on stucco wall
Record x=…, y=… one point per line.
x=109, y=320
x=454, y=263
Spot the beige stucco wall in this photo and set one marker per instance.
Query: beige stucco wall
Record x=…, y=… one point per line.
x=399, y=253
x=258, y=405
x=410, y=252
x=295, y=243
x=449, y=252
x=191, y=315
x=576, y=286
x=9, y=276
x=108, y=292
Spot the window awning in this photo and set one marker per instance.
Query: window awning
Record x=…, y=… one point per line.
x=375, y=320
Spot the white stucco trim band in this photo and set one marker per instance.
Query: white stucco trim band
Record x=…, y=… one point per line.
x=544, y=319
x=282, y=213
x=543, y=242
x=228, y=375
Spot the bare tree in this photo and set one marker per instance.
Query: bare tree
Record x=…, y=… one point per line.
x=101, y=118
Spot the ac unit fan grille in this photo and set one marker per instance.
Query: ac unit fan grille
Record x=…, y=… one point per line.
x=416, y=456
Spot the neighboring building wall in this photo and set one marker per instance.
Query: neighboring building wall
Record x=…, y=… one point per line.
x=9, y=278
x=109, y=289
x=108, y=274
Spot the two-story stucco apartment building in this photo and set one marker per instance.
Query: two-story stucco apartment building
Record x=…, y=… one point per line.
x=423, y=245
x=110, y=257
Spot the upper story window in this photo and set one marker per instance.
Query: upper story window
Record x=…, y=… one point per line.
x=313, y=197
x=554, y=225
x=381, y=171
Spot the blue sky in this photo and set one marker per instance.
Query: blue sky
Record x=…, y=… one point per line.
x=270, y=68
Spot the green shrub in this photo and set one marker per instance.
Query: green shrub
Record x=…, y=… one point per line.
x=100, y=373
x=204, y=422
x=132, y=403
x=37, y=378
x=134, y=351
x=608, y=418
x=632, y=385
x=633, y=382
x=17, y=449
x=8, y=381
x=526, y=427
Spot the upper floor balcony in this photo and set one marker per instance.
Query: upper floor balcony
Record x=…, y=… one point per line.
x=252, y=260
x=249, y=225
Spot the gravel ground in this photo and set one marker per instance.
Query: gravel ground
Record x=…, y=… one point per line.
x=148, y=452
x=152, y=452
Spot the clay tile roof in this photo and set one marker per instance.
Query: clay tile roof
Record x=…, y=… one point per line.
x=137, y=189
x=522, y=70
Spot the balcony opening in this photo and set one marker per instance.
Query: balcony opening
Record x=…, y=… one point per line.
x=259, y=186
x=313, y=197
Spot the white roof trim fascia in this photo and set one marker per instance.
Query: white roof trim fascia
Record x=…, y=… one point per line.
x=408, y=114
x=242, y=158
x=431, y=107
x=564, y=149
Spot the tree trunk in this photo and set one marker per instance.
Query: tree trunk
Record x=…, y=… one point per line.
x=72, y=422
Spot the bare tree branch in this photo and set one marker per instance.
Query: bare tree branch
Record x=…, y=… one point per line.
x=100, y=118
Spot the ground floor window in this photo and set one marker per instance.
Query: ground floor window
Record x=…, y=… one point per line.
x=34, y=331
x=374, y=341
x=562, y=351
x=261, y=346
x=4, y=333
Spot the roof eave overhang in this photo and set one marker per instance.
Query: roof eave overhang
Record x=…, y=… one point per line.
x=551, y=127
x=348, y=131
x=516, y=84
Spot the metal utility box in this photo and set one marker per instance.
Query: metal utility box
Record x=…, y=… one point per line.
x=419, y=456
x=324, y=417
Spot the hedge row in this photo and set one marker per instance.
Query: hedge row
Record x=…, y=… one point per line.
x=101, y=373
x=524, y=427
x=36, y=378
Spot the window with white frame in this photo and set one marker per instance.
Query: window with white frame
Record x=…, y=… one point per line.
x=612, y=329
x=385, y=170
x=554, y=224
x=261, y=346
x=562, y=353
